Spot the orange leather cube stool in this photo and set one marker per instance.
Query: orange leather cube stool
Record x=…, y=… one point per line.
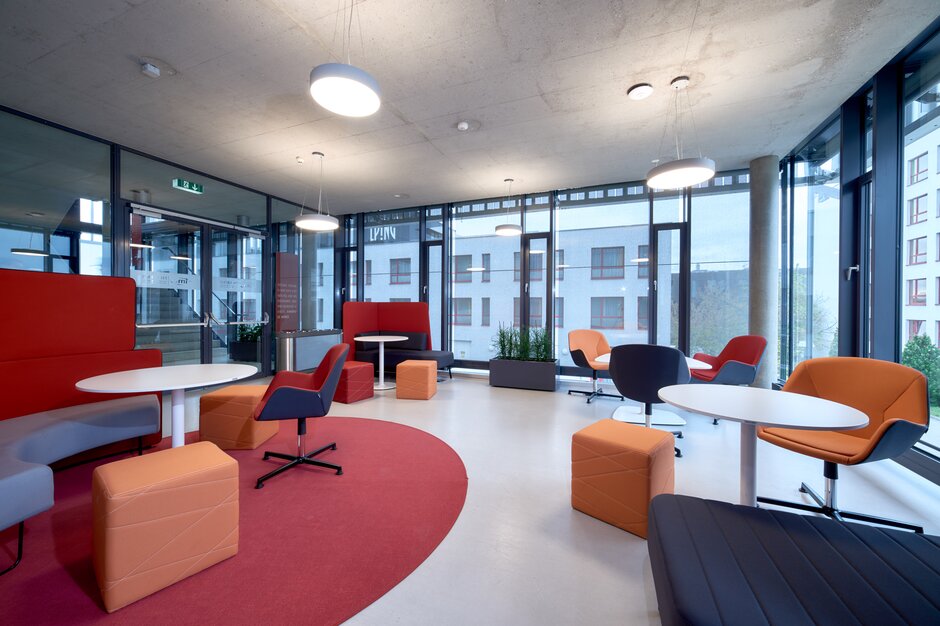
x=617, y=468
x=226, y=418
x=416, y=380
x=161, y=517
x=355, y=383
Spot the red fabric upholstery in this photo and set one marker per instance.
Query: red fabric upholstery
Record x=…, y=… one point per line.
x=310, y=382
x=747, y=349
x=355, y=383
x=65, y=328
x=362, y=317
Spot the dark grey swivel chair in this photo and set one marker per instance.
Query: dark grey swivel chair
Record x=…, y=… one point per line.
x=639, y=371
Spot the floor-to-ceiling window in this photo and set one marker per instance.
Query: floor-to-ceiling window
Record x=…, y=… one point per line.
x=391, y=251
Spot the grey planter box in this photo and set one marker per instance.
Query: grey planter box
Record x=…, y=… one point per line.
x=535, y=375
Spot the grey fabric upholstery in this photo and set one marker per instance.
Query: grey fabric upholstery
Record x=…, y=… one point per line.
x=399, y=351
x=720, y=563
x=28, y=444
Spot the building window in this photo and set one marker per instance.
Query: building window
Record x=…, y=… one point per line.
x=607, y=312
x=399, y=299
x=606, y=263
x=536, y=265
x=914, y=328
x=917, y=292
x=917, y=169
x=461, y=268
x=399, y=272
x=559, y=313
x=463, y=311
x=368, y=272
x=535, y=312
x=486, y=271
x=560, y=267
x=917, y=209
x=642, y=312
x=917, y=251
x=320, y=309
x=319, y=274
x=485, y=309
x=643, y=261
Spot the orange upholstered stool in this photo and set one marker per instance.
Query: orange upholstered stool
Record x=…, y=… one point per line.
x=416, y=380
x=226, y=418
x=355, y=383
x=161, y=517
x=617, y=468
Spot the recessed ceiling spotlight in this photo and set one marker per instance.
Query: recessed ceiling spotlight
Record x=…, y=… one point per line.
x=640, y=91
x=400, y=196
x=299, y=159
x=679, y=82
x=465, y=126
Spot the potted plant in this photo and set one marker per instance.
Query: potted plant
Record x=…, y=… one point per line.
x=245, y=346
x=523, y=359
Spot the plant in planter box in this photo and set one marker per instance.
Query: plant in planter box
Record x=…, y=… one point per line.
x=523, y=359
x=245, y=346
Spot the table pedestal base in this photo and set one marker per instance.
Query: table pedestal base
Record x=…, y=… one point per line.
x=634, y=415
x=178, y=423
x=748, y=464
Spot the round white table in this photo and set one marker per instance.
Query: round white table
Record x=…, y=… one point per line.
x=381, y=340
x=173, y=378
x=754, y=407
x=660, y=417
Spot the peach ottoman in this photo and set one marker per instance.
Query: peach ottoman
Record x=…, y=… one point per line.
x=161, y=517
x=416, y=380
x=226, y=418
x=617, y=468
x=355, y=383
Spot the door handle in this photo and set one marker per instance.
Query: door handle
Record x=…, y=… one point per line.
x=848, y=271
x=527, y=288
x=654, y=286
x=425, y=290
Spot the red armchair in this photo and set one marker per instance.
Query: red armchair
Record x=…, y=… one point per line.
x=737, y=364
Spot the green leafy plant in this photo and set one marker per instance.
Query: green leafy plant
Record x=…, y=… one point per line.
x=249, y=332
x=920, y=354
x=541, y=345
x=523, y=345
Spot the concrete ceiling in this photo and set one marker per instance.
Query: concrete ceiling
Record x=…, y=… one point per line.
x=545, y=80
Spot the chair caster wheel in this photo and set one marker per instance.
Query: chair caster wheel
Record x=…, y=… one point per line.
x=259, y=485
x=803, y=489
x=333, y=447
x=339, y=472
x=679, y=436
x=678, y=454
x=266, y=457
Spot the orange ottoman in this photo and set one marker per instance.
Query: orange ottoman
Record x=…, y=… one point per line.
x=355, y=383
x=161, y=517
x=225, y=418
x=617, y=468
x=416, y=380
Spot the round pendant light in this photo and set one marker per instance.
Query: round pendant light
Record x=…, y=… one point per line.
x=681, y=173
x=317, y=222
x=509, y=230
x=345, y=90
x=28, y=252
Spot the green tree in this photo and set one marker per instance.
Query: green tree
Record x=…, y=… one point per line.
x=920, y=354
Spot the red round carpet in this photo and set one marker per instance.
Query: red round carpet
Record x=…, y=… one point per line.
x=314, y=548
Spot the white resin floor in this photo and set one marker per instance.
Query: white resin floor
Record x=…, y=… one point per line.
x=519, y=554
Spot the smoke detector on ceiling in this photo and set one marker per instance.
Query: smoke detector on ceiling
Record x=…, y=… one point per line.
x=153, y=67
x=465, y=126
x=150, y=70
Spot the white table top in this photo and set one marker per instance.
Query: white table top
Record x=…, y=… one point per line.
x=694, y=364
x=765, y=407
x=382, y=338
x=166, y=378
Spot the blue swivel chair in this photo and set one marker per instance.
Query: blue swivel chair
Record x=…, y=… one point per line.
x=639, y=371
x=294, y=395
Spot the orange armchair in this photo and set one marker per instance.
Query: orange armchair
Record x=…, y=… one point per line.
x=585, y=346
x=894, y=398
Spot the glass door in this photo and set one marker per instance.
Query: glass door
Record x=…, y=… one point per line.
x=432, y=286
x=669, y=286
x=166, y=263
x=236, y=320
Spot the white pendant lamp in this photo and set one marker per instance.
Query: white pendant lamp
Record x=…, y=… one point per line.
x=508, y=229
x=681, y=172
x=343, y=88
x=319, y=221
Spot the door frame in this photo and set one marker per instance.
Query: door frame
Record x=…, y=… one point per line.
x=685, y=264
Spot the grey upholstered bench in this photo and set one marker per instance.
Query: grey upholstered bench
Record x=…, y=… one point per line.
x=29, y=444
x=719, y=563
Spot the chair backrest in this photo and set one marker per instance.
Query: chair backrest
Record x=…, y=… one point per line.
x=304, y=395
x=326, y=376
x=639, y=371
x=883, y=390
x=586, y=345
x=746, y=349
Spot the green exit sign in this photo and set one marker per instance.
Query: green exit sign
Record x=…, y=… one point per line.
x=186, y=185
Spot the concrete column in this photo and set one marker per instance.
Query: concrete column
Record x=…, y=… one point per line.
x=764, y=275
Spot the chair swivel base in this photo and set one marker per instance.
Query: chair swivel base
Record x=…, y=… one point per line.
x=294, y=461
x=835, y=513
x=19, y=548
x=594, y=394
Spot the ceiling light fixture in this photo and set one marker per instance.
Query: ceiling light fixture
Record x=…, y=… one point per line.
x=476, y=269
x=145, y=246
x=640, y=91
x=319, y=221
x=682, y=172
x=30, y=250
x=180, y=257
x=508, y=229
x=343, y=88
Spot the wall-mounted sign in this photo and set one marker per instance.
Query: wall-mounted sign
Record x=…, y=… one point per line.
x=187, y=185
x=286, y=291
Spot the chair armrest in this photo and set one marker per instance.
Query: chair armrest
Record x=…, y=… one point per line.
x=735, y=373
x=292, y=403
x=892, y=439
x=289, y=379
x=705, y=358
